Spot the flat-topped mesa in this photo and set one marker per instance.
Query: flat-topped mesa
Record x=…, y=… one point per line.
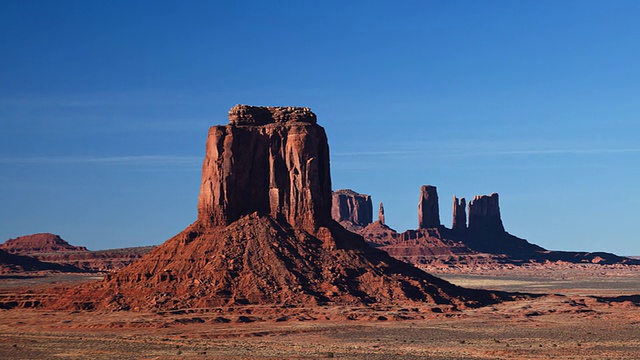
x=381, y=214
x=459, y=214
x=269, y=160
x=39, y=243
x=484, y=214
x=428, y=209
x=262, y=115
x=348, y=205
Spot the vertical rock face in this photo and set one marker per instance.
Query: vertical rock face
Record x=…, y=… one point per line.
x=484, y=214
x=459, y=214
x=348, y=205
x=270, y=160
x=428, y=210
x=381, y=214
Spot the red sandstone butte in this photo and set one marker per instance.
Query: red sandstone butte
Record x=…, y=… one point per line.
x=38, y=243
x=264, y=234
x=351, y=209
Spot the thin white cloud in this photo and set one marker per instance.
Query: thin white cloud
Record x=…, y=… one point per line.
x=376, y=153
x=561, y=152
x=116, y=160
x=468, y=152
x=102, y=99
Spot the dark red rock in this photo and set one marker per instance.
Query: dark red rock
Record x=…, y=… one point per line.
x=485, y=241
x=459, y=214
x=264, y=235
x=51, y=248
x=262, y=115
x=381, y=214
x=14, y=263
x=484, y=214
x=418, y=247
x=428, y=208
x=270, y=160
x=38, y=243
x=352, y=207
x=97, y=261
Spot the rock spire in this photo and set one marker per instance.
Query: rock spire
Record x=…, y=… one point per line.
x=459, y=214
x=428, y=209
x=381, y=214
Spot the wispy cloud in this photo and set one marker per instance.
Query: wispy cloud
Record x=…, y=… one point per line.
x=469, y=152
x=116, y=160
x=377, y=153
x=102, y=99
x=561, y=152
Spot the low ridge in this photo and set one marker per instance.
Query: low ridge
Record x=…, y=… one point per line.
x=38, y=243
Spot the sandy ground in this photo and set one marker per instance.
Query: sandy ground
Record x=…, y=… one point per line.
x=576, y=326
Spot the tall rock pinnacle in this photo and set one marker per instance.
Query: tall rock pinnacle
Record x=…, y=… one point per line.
x=381, y=214
x=428, y=209
x=351, y=206
x=270, y=160
x=484, y=214
x=459, y=214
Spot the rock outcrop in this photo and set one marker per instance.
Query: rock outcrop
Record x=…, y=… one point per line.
x=96, y=261
x=484, y=214
x=14, y=263
x=264, y=234
x=381, y=214
x=484, y=241
x=52, y=249
x=350, y=206
x=38, y=243
x=270, y=160
x=459, y=214
x=428, y=208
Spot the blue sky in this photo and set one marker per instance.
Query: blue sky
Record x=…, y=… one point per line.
x=105, y=106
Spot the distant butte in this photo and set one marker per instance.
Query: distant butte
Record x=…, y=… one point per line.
x=51, y=248
x=483, y=238
x=352, y=210
x=38, y=243
x=265, y=234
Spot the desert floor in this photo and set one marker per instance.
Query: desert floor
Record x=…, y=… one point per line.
x=571, y=324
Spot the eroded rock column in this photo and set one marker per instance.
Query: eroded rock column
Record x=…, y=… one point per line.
x=428, y=209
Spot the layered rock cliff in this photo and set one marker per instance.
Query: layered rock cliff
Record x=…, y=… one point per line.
x=484, y=214
x=270, y=160
x=351, y=209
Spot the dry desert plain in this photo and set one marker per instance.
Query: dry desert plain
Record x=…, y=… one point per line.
x=591, y=313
